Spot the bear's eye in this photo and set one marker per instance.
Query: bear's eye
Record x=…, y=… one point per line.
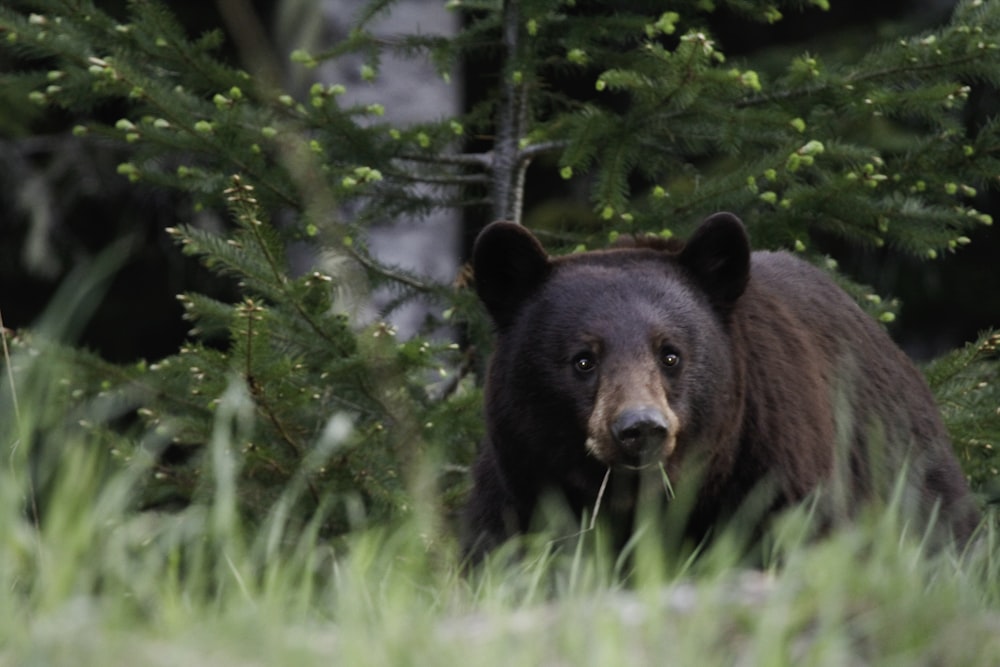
x=584, y=362
x=669, y=358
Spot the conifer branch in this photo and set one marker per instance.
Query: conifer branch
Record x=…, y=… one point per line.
x=385, y=272
x=487, y=160
x=888, y=73
x=297, y=450
x=240, y=194
x=188, y=126
x=457, y=179
x=472, y=159
x=532, y=151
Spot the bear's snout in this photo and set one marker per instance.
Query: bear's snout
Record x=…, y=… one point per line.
x=640, y=434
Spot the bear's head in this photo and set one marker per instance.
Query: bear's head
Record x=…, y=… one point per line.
x=616, y=358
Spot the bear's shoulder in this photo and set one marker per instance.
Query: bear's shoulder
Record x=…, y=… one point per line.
x=779, y=277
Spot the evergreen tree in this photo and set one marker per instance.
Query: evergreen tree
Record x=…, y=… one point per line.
x=347, y=417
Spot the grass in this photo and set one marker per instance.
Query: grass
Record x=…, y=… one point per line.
x=94, y=582
x=861, y=597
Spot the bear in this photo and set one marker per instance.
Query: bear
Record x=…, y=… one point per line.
x=703, y=361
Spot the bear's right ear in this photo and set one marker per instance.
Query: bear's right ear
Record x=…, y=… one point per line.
x=718, y=257
x=508, y=264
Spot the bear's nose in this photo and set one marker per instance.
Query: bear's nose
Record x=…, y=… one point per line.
x=640, y=432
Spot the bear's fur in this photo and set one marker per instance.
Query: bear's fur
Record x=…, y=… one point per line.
x=753, y=369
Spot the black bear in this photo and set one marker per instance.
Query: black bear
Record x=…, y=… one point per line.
x=752, y=368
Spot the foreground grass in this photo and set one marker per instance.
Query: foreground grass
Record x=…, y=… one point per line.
x=94, y=582
x=99, y=584
x=829, y=605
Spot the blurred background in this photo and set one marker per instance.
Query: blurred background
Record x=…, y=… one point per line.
x=62, y=200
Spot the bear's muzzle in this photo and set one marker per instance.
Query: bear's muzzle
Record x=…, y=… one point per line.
x=640, y=434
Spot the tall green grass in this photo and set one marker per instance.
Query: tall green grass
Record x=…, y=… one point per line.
x=88, y=579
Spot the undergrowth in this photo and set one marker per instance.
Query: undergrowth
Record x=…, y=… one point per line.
x=90, y=579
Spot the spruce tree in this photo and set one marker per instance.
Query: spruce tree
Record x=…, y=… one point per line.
x=346, y=416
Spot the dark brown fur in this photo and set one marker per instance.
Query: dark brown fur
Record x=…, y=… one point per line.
x=758, y=370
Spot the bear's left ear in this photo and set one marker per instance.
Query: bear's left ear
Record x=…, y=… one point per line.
x=508, y=264
x=718, y=257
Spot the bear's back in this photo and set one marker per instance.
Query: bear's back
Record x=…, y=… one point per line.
x=812, y=295
x=872, y=401
x=802, y=305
